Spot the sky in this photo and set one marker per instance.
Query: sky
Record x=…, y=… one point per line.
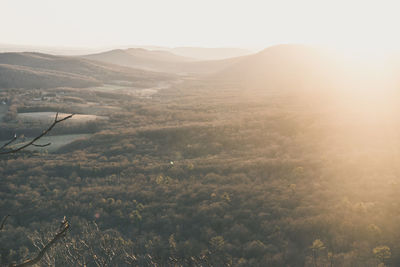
x=206, y=23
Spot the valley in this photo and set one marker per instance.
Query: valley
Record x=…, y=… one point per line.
x=241, y=167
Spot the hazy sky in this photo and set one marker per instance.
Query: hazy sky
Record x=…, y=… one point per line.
x=242, y=23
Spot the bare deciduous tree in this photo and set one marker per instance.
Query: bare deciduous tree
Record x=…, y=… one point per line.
x=60, y=234
x=4, y=148
x=7, y=149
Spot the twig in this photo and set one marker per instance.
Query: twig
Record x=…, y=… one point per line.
x=44, y=145
x=9, y=142
x=3, y=222
x=32, y=142
x=60, y=234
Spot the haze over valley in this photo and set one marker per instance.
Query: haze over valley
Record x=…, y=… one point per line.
x=241, y=134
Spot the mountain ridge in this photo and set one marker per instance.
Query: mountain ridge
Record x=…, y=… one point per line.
x=19, y=66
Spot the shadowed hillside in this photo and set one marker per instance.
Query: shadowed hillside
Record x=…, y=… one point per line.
x=161, y=61
x=12, y=76
x=42, y=70
x=203, y=53
x=141, y=58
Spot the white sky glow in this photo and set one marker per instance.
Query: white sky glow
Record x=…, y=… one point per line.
x=211, y=23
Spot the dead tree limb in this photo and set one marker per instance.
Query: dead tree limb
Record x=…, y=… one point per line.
x=64, y=224
x=32, y=142
x=60, y=234
x=3, y=222
x=9, y=142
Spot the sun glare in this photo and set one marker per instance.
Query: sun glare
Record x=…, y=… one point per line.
x=362, y=27
x=200, y=133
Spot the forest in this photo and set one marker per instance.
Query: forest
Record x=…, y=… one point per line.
x=205, y=172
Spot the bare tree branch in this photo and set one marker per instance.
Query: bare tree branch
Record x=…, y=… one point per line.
x=9, y=142
x=3, y=222
x=32, y=142
x=64, y=224
x=60, y=234
x=44, y=145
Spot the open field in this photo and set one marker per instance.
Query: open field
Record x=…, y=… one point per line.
x=109, y=87
x=134, y=91
x=49, y=117
x=57, y=141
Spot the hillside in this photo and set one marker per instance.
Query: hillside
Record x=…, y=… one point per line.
x=48, y=71
x=53, y=50
x=12, y=76
x=162, y=61
x=141, y=58
x=157, y=55
x=202, y=53
x=284, y=66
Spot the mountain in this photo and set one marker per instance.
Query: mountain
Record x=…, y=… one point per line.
x=157, y=55
x=141, y=58
x=13, y=76
x=202, y=53
x=286, y=67
x=161, y=61
x=53, y=50
x=43, y=70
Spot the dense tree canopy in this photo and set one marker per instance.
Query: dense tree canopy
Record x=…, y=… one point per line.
x=204, y=174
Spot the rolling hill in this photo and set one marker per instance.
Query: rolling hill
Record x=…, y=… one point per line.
x=14, y=76
x=162, y=61
x=285, y=67
x=33, y=70
x=141, y=58
x=202, y=53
